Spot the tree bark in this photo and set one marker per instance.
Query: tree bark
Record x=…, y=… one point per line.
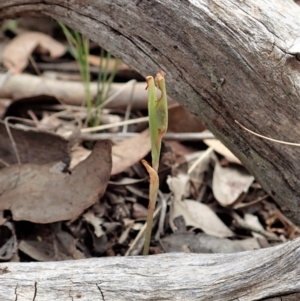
x=225, y=61
x=271, y=273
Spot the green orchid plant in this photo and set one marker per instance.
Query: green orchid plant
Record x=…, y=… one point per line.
x=158, y=124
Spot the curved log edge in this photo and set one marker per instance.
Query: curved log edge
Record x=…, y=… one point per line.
x=242, y=276
x=224, y=60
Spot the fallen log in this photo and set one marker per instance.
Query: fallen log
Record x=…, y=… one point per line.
x=255, y=275
x=225, y=61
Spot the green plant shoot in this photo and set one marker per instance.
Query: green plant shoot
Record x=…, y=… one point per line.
x=158, y=115
x=158, y=124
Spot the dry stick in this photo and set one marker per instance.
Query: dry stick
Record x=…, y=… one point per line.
x=69, y=110
x=167, y=136
x=128, y=108
x=34, y=65
x=200, y=159
x=162, y=217
x=14, y=145
x=6, y=164
x=120, y=123
x=113, y=96
x=141, y=233
x=246, y=205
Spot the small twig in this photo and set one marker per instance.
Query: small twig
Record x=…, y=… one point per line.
x=246, y=205
x=34, y=65
x=34, y=118
x=113, y=96
x=4, y=162
x=267, y=138
x=162, y=217
x=141, y=233
x=13, y=143
x=200, y=159
x=112, y=125
x=128, y=108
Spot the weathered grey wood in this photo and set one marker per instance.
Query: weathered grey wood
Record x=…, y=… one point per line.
x=225, y=60
x=242, y=276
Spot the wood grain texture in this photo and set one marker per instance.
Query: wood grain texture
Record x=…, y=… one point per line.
x=242, y=276
x=225, y=60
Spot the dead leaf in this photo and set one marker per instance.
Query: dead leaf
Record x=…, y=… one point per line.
x=95, y=221
x=19, y=49
x=130, y=151
x=34, y=146
x=253, y=221
x=39, y=194
x=220, y=148
x=9, y=243
x=79, y=153
x=37, y=250
x=229, y=183
x=182, y=121
x=199, y=243
x=195, y=214
x=139, y=211
x=124, y=155
x=201, y=216
x=66, y=246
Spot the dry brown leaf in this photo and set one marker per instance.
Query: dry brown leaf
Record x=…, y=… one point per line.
x=182, y=121
x=38, y=250
x=18, y=50
x=229, y=183
x=130, y=151
x=39, y=194
x=34, y=146
x=199, y=215
x=195, y=214
x=124, y=154
x=220, y=148
x=66, y=246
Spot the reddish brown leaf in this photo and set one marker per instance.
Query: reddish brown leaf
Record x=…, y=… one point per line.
x=43, y=194
x=34, y=146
